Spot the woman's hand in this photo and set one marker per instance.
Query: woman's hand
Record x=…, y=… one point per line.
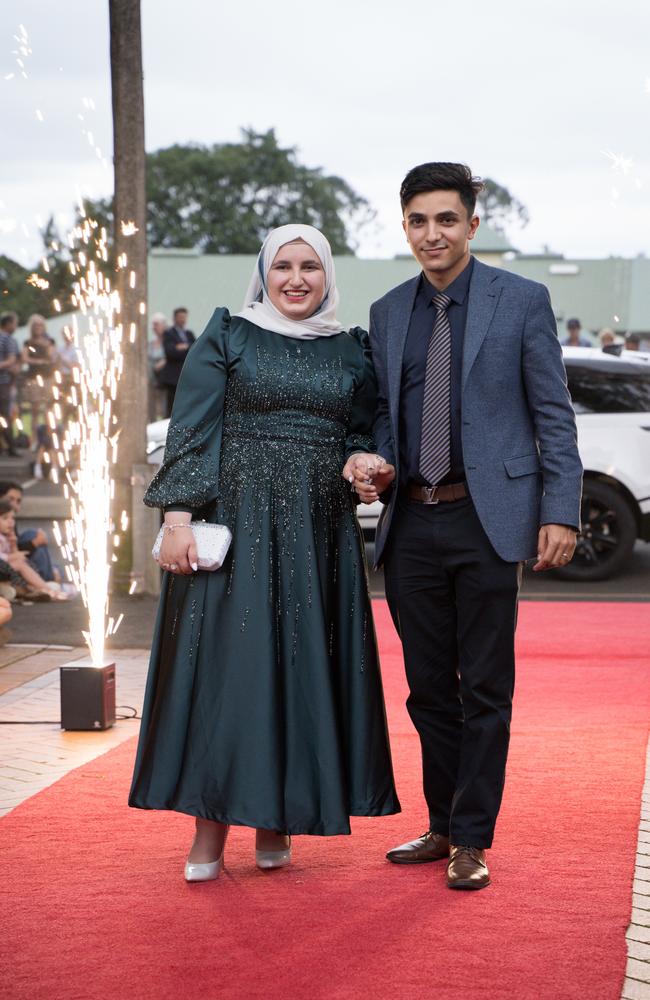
x=369, y=475
x=178, y=549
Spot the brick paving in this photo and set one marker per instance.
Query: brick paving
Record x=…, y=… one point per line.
x=32, y=757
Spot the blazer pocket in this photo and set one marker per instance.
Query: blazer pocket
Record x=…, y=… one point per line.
x=525, y=465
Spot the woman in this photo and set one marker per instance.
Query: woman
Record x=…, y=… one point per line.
x=264, y=705
x=156, y=356
x=39, y=354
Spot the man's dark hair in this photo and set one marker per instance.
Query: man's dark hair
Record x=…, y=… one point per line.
x=179, y=309
x=633, y=338
x=5, y=507
x=6, y=485
x=442, y=177
x=7, y=318
x=573, y=324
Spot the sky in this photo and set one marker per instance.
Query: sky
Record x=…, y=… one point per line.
x=552, y=102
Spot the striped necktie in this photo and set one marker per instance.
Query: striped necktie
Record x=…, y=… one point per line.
x=435, y=458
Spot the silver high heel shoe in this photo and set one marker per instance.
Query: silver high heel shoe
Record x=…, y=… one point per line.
x=207, y=871
x=273, y=859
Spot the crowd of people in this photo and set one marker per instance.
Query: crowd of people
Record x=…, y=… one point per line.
x=27, y=374
x=606, y=339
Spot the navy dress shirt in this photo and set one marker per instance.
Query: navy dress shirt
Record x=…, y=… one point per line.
x=414, y=365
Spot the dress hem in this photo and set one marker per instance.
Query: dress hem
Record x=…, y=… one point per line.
x=323, y=830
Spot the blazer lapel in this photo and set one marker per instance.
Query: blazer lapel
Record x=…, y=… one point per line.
x=484, y=292
x=399, y=317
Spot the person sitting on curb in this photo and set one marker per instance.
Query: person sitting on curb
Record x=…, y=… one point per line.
x=6, y=613
x=33, y=541
x=10, y=553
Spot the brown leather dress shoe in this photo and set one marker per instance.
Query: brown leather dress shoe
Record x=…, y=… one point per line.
x=467, y=868
x=429, y=847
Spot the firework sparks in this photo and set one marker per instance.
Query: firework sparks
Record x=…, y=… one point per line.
x=38, y=282
x=22, y=53
x=89, y=442
x=620, y=164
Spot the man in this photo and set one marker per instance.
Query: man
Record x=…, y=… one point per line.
x=480, y=472
x=575, y=337
x=633, y=342
x=9, y=367
x=33, y=541
x=176, y=343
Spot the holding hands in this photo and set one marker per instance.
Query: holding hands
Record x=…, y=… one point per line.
x=369, y=475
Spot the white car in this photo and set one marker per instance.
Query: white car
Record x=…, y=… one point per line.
x=611, y=398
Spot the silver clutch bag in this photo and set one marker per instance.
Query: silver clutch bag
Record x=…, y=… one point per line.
x=212, y=544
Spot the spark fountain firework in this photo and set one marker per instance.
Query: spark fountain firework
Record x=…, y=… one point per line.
x=90, y=439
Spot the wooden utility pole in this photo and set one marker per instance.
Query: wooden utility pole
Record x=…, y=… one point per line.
x=130, y=238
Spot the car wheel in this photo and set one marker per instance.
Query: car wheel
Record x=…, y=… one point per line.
x=607, y=537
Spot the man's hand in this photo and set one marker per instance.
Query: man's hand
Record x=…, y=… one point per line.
x=369, y=475
x=555, y=546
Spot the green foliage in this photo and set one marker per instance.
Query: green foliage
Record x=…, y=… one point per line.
x=500, y=209
x=225, y=198
x=19, y=286
x=19, y=296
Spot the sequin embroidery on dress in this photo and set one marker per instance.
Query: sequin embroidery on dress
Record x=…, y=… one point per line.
x=282, y=452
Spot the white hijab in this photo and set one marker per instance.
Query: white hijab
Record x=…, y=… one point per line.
x=259, y=309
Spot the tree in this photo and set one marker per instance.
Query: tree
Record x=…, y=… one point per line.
x=37, y=289
x=18, y=293
x=131, y=282
x=224, y=198
x=500, y=209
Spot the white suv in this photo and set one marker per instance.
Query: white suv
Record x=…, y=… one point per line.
x=611, y=398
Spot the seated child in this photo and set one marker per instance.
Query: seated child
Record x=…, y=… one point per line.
x=17, y=560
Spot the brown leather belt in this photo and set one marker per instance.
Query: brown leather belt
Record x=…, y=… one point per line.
x=436, y=494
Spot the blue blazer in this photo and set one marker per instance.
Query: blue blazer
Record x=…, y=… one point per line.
x=518, y=426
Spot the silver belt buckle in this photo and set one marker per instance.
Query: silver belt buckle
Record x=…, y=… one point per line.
x=431, y=494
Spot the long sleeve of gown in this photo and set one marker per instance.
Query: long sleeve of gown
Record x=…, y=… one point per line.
x=364, y=402
x=188, y=478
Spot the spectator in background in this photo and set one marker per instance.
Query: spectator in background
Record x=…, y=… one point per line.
x=39, y=354
x=6, y=612
x=608, y=342
x=156, y=353
x=10, y=553
x=633, y=342
x=575, y=337
x=67, y=356
x=176, y=342
x=9, y=368
x=33, y=542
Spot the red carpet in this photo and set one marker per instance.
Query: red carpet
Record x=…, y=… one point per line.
x=95, y=905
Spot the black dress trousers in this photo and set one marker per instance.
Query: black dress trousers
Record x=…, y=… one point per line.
x=454, y=603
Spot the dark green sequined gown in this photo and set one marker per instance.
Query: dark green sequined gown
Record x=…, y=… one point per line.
x=264, y=704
